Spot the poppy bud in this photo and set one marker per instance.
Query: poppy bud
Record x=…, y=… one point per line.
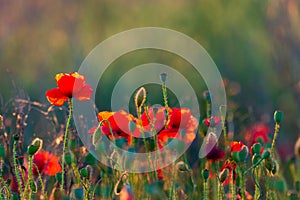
x=255, y=159
x=278, y=116
x=58, y=177
x=97, y=135
x=84, y=172
x=256, y=148
x=33, y=187
x=265, y=154
x=20, y=160
x=72, y=144
x=235, y=156
x=223, y=175
x=243, y=154
x=68, y=158
x=140, y=97
x=269, y=164
x=16, y=137
x=275, y=167
x=163, y=77
x=205, y=174
x=35, y=146
x=2, y=151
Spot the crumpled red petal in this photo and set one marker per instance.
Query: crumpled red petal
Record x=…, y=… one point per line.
x=56, y=97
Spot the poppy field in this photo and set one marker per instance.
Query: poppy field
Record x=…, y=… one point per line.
x=248, y=168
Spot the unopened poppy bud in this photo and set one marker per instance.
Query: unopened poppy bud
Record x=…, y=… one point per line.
x=84, y=172
x=205, y=174
x=97, y=135
x=265, y=154
x=163, y=77
x=278, y=116
x=140, y=97
x=223, y=175
x=35, y=146
x=181, y=166
x=33, y=187
x=255, y=159
x=243, y=154
x=68, y=158
x=207, y=96
x=256, y=148
x=275, y=167
x=2, y=151
x=16, y=137
x=297, y=148
x=58, y=177
x=269, y=164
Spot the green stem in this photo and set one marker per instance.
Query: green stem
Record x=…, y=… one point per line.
x=65, y=143
x=30, y=177
x=16, y=168
x=205, y=192
x=277, y=126
x=232, y=186
x=41, y=182
x=76, y=171
x=164, y=89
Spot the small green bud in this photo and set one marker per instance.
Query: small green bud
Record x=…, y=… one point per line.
x=97, y=135
x=205, y=174
x=33, y=187
x=84, y=173
x=265, y=154
x=16, y=137
x=223, y=175
x=58, y=177
x=181, y=166
x=269, y=164
x=73, y=144
x=35, y=146
x=207, y=96
x=256, y=148
x=78, y=193
x=278, y=116
x=140, y=97
x=243, y=154
x=235, y=156
x=69, y=158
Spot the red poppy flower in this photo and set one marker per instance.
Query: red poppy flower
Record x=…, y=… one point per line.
x=236, y=146
x=231, y=166
x=69, y=85
x=156, y=116
x=46, y=163
x=258, y=133
x=212, y=121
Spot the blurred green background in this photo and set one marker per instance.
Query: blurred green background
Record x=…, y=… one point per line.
x=254, y=43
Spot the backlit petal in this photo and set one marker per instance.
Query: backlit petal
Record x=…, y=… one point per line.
x=56, y=97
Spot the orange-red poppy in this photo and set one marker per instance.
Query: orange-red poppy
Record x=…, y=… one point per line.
x=236, y=146
x=69, y=85
x=46, y=163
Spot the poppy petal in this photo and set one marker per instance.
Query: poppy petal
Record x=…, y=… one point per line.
x=84, y=94
x=65, y=83
x=56, y=97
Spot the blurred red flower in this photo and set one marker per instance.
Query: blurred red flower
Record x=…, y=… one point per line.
x=236, y=146
x=212, y=121
x=69, y=85
x=258, y=133
x=46, y=163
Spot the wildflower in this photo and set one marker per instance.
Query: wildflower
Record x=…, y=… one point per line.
x=239, y=151
x=69, y=85
x=258, y=133
x=46, y=163
x=212, y=121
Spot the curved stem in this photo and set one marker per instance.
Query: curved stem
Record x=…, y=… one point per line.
x=277, y=126
x=16, y=167
x=65, y=143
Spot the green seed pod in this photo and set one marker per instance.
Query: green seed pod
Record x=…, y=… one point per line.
x=16, y=137
x=58, y=177
x=33, y=187
x=35, y=146
x=275, y=167
x=2, y=151
x=78, y=193
x=278, y=116
x=223, y=175
x=265, y=154
x=69, y=158
x=256, y=148
x=269, y=164
x=205, y=174
x=140, y=97
x=243, y=154
x=255, y=159
x=84, y=173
